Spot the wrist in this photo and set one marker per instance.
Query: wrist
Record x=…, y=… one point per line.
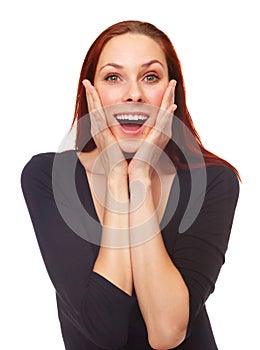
x=140, y=170
x=139, y=189
x=118, y=172
x=117, y=182
x=117, y=189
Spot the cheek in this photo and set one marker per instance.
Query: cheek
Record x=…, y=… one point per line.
x=107, y=96
x=154, y=97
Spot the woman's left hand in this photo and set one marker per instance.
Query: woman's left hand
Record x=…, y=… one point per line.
x=149, y=152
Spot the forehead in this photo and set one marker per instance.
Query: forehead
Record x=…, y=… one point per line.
x=129, y=46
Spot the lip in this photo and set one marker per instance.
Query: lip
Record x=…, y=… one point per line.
x=129, y=132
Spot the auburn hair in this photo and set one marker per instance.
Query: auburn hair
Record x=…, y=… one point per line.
x=185, y=149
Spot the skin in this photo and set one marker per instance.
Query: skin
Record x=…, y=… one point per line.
x=133, y=83
x=132, y=72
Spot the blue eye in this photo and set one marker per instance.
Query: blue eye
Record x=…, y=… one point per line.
x=150, y=78
x=113, y=78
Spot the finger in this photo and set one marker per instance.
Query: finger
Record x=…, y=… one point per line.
x=89, y=94
x=173, y=91
x=96, y=112
x=110, y=151
x=92, y=95
x=168, y=98
x=162, y=130
x=95, y=128
x=167, y=108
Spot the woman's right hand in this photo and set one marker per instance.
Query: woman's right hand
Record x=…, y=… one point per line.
x=110, y=156
x=112, y=264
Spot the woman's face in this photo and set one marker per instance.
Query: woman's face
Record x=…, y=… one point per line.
x=131, y=78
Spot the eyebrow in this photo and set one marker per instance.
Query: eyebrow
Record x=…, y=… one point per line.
x=149, y=63
x=118, y=66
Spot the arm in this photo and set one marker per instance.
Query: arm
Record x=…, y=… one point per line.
x=197, y=254
x=113, y=261
x=94, y=306
x=161, y=291
x=162, y=294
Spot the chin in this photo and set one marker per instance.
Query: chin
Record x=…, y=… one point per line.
x=130, y=145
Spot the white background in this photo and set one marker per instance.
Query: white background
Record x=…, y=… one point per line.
x=43, y=44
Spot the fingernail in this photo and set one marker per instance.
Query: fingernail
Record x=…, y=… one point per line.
x=86, y=83
x=174, y=107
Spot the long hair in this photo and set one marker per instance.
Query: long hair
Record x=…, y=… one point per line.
x=185, y=142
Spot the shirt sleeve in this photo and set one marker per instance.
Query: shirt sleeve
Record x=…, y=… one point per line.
x=98, y=308
x=199, y=252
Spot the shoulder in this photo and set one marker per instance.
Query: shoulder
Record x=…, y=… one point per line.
x=222, y=178
x=213, y=175
x=208, y=195
x=40, y=166
x=41, y=158
x=222, y=188
x=45, y=161
x=210, y=184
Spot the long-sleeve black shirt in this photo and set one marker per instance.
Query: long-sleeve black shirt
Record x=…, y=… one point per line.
x=95, y=314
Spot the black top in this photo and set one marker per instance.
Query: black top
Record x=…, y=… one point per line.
x=94, y=313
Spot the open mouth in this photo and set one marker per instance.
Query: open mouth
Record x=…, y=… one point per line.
x=131, y=123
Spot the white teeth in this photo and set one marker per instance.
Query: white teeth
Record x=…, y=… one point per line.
x=131, y=117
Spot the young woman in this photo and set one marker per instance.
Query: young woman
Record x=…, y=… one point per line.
x=133, y=224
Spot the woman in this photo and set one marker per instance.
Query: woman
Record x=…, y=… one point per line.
x=133, y=224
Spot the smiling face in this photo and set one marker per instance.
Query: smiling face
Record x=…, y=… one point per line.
x=131, y=78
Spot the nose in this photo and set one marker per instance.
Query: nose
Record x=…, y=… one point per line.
x=133, y=93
